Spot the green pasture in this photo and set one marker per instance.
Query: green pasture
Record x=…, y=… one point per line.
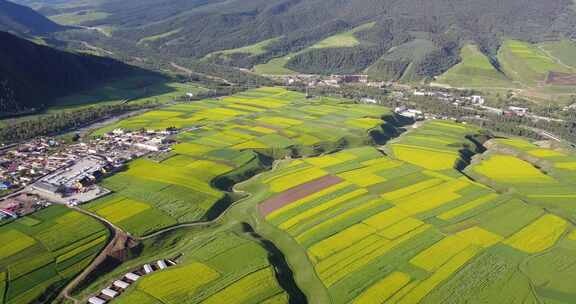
x=526, y=63
x=474, y=70
x=564, y=51
x=253, y=49
x=343, y=40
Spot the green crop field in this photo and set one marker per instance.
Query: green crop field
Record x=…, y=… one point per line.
x=219, y=265
x=42, y=252
x=475, y=70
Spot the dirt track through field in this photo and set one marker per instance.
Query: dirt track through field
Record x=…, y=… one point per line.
x=297, y=193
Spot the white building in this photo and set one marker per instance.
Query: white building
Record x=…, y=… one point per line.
x=477, y=99
x=132, y=276
x=120, y=284
x=96, y=300
x=109, y=292
x=368, y=100
x=148, y=269
x=161, y=264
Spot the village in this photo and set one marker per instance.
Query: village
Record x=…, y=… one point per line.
x=44, y=170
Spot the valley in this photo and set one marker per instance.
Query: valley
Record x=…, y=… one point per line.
x=297, y=210
x=287, y=152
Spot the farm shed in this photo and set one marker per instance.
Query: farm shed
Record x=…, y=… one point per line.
x=121, y=284
x=132, y=276
x=109, y=292
x=96, y=300
x=161, y=264
x=148, y=268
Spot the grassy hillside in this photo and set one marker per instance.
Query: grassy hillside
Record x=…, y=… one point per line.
x=347, y=39
x=474, y=70
x=526, y=63
x=564, y=51
x=343, y=40
x=276, y=66
x=401, y=62
x=253, y=49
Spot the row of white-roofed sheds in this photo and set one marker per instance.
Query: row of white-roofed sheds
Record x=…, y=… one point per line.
x=109, y=293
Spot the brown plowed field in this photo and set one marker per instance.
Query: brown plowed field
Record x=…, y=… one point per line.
x=556, y=78
x=297, y=193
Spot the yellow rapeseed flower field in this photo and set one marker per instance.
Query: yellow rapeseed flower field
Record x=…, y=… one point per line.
x=321, y=208
x=245, y=288
x=383, y=289
x=177, y=284
x=288, y=181
x=419, y=291
x=510, y=169
x=539, y=235
x=467, y=207
x=340, y=240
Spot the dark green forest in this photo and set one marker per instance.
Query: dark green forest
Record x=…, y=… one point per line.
x=200, y=27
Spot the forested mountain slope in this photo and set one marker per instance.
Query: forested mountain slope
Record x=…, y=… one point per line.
x=196, y=28
x=433, y=32
x=24, y=20
x=31, y=74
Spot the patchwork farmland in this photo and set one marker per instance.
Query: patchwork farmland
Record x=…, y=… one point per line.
x=40, y=253
x=229, y=139
x=270, y=197
x=410, y=228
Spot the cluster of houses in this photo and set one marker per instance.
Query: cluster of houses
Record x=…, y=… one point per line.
x=450, y=98
x=27, y=163
x=328, y=81
x=119, y=286
x=22, y=164
x=67, y=173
